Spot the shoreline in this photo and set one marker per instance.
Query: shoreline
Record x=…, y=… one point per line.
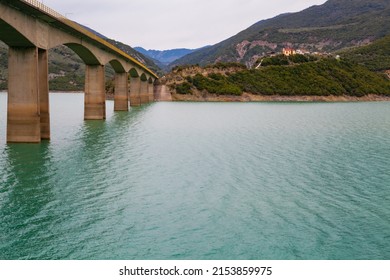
x=247, y=97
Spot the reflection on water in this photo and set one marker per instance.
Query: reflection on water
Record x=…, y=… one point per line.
x=200, y=181
x=26, y=196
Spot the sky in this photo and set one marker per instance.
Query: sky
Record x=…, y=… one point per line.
x=170, y=24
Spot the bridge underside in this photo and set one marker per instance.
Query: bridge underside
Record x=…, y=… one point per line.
x=28, y=117
x=29, y=38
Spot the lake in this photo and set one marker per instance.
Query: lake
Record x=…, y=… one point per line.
x=200, y=181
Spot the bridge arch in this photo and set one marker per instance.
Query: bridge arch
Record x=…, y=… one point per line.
x=144, y=78
x=117, y=66
x=84, y=53
x=133, y=73
x=12, y=37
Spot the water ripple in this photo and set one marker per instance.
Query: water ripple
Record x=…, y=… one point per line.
x=200, y=181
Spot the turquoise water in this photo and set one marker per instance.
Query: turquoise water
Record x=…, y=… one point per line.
x=200, y=181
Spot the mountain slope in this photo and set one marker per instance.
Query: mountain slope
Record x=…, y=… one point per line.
x=332, y=26
x=375, y=56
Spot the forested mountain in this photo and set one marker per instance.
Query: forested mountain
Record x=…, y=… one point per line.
x=375, y=56
x=335, y=25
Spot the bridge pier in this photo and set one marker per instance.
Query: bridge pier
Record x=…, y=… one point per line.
x=135, y=88
x=44, y=93
x=144, y=94
x=121, y=102
x=151, y=92
x=23, y=116
x=95, y=97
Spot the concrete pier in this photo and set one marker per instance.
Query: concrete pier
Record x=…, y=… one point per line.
x=151, y=92
x=121, y=101
x=43, y=70
x=144, y=94
x=95, y=97
x=30, y=29
x=135, y=87
x=23, y=116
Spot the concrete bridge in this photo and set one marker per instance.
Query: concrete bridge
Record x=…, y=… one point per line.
x=30, y=29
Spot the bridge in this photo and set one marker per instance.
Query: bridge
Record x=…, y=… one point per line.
x=30, y=29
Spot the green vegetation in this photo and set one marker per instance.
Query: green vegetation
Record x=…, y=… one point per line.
x=217, y=84
x=375, y=56
x=326, y=77
x=319, y=78
x=278, y=60
x=184, y=88
x=213, y=83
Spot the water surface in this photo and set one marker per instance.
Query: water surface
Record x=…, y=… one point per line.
x=200, y=181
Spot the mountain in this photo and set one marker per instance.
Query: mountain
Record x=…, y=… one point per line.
x=329, y=27
x=165, y=57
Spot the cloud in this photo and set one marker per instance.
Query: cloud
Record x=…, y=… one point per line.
x=173, y=23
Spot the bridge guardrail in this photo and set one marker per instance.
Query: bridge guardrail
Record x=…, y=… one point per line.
x=45, y=8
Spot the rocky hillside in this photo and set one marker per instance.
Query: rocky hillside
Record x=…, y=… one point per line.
x=358, y=73
x=335, y=25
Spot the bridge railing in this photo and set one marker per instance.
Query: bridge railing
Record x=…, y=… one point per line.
x=45, y=8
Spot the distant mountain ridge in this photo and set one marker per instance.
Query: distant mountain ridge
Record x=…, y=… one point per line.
x=332, y=26
x=165, y=57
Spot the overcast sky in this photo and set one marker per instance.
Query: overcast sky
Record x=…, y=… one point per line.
x=158, y=24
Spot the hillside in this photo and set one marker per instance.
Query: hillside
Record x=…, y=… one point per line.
x=335, y=25
x=375, y=56
x=298, y=77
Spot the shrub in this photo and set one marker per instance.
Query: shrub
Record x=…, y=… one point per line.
x=278, y=60
x=298, y=58
x=219, y=85
x=184, y=88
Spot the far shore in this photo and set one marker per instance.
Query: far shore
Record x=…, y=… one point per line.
x=247, y=97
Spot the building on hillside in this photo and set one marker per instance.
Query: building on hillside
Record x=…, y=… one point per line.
x=289, y=51
x=302, y=51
